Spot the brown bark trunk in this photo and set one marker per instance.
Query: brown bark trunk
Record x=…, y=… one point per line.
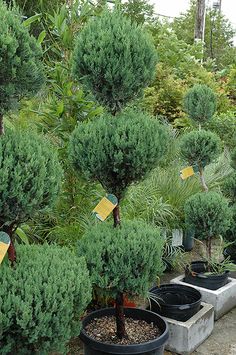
x=208, y=243
x=202, y=178
x=120, y=317
x=1, y=125
x=116, y=216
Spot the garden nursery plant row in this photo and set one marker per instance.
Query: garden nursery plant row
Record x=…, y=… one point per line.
x=98, y=180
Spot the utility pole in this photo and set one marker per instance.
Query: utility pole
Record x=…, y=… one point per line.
x=217, y=5
x=200, y=21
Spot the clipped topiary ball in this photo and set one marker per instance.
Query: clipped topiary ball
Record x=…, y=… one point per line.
x=126, y=259
x=30, y=176
x=200, y=103
x=115, y=58
x=42, y=300
x=200, y=147
x=118, y=151
x=21, y=70
x=207, y=215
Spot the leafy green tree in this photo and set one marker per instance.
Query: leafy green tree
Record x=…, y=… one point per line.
x=118, y=151
x=42, y=300
x=200, y=148
x=139, y=11
x=123, y=260
x=21, y=71
x=115, y=58
x=200, y=103
x=30, y=179
x=207, y=215
x=219, y=35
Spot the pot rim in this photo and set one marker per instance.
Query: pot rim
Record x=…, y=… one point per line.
x=124, y=349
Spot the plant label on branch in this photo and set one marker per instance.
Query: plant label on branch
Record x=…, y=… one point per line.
x=4, y=245
x=186, y=172
x=105, y=207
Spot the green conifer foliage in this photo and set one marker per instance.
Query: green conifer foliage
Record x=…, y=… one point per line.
x=207, y=215
x=118, y=151
x=42, y=300
x=21, y=72
x=123, y=260
x=200, y=147
x=200, y=103
x=115, y=58
x=30, y=177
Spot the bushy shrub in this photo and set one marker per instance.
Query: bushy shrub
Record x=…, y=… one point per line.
x=118, y=151
x=41, y=300
x=233, y=159
x=21, y=71
x=207, y=215
x=125, y=259
x=200, y=147
x=229, y=187
x=200, y=103
x=115, y=58
x=230, y=235
x=30, y=176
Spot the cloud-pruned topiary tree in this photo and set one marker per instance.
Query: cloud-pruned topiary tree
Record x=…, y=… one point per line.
x=207, y=215
x=42, y=300
x=115, y=58
x=30, y=179
x=21, y=71
x=118, y=151
x=200, y=103
x=123, y=260
x=200, y=148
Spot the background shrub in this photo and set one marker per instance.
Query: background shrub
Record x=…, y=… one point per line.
x=42, y=300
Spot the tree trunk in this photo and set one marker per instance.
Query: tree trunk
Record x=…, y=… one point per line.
x=202, y=178
x=116, y=216
x=208, y=243
x=1, y=125
x=120, y=317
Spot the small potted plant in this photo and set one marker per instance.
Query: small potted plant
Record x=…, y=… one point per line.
x=123, y=261
x=208, y=215
x=229, y=189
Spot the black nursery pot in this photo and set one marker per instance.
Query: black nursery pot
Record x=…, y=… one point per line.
x=231, y=253
x=176, y=301
x=153, y=347
x=195, y=275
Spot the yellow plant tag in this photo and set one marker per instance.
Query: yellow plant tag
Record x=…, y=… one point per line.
x=4, y=245
x=105, y=207
x=186, y=172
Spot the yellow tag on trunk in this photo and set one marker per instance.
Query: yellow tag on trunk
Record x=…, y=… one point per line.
x=4, y=245
x=186, y=172
x=105, y=207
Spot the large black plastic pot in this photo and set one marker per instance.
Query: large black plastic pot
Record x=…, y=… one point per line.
x=176, y=301
x=230, y=252
x=195, y=274
x=153, y=347
x=188, y=240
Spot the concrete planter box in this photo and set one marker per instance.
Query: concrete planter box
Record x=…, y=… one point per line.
x=223, y=299
x=185, y=337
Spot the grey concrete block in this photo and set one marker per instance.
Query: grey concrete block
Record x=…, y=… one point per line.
x=185, y=337
x=223, y=299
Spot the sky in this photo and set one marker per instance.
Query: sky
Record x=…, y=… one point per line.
x=175, y=7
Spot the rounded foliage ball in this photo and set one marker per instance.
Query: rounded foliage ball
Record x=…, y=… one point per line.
x=42, y=300
x=200, y=103
x=207, y=215
x=115, y=58
x=200, y=147
x=123, y=259
x=119, y=150
x=30, y=176
x=21, y=70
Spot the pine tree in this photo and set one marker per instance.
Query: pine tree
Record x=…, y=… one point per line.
x=30, y=179
x=21, y=72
